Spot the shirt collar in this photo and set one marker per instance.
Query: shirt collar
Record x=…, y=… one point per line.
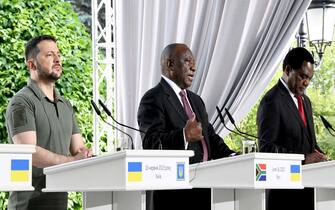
x=173, y=85
x=285, y=85
x=39, y=93
x=295, y=100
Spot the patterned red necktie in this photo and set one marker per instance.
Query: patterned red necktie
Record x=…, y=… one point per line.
x=189, y=114
x=301, y=109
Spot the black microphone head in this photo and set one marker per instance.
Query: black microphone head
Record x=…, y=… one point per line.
x=325, y=122
x=105, y=108
x=229, y=116
x=220, y=114
x=95, y=107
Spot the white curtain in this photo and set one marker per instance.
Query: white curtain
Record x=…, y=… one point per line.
x=237, y=45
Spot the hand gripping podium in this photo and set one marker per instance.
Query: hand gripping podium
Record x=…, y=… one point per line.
x=118, y=180
x=239, y=182
x=321, y=177
x=16, y=167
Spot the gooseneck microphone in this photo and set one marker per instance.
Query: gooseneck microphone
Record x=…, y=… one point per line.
x=110, y=115
x=222, y=121
x=96, y=109
x=233, y=122
x=327, y=125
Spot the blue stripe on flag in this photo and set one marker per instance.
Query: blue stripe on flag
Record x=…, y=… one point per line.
x=19, y=164
x=295, y=168
x=134, y=166
x=262, y=178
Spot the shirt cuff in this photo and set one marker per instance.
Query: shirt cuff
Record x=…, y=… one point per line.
x=185, y=142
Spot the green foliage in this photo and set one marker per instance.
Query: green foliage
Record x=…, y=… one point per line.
x=322, y=95
x=324, y=77
x=75, y=201
x=19, y=22
x=3, y=200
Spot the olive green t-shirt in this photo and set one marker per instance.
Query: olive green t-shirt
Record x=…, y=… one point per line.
x=53, y=121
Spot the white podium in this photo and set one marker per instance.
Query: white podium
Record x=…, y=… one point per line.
x=239, y=182
x=16, y=167
x=321, y=177
x=118, y=180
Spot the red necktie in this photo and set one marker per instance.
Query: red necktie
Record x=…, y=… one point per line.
x=301, y=109
x=189, y=114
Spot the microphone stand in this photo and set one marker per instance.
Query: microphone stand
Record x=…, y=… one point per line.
x=110, y=115
x=96, y=109
x=233, y=122
x=222, y=121
x=327, y=125
x=330, y=131
x=245, y=135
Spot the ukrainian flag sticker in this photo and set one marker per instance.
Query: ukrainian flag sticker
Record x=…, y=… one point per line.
x=19, y=170
x=295, y=173
x=134, y=171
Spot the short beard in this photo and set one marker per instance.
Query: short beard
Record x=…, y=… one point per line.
x=45, y=76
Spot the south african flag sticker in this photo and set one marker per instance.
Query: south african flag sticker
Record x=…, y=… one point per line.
x=260, y=172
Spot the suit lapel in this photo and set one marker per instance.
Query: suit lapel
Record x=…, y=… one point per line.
x=194, y=106
x=309, y=128
x=172, y=98
x=290, y=103
x=294, y=110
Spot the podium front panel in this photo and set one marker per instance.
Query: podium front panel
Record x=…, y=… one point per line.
x=16, y=167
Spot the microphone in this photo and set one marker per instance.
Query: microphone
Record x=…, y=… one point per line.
x=110, y=115
x=327, y=125
x=222, y=121
x=96, y=109
x=233, y=122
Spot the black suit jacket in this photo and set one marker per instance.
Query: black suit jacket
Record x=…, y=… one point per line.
x=281, y=130
x=280, y=127
x=162, y=116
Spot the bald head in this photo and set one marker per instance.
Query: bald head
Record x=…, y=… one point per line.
x=177, y=64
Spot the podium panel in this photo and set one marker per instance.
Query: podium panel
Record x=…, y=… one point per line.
x=321, y=177
x=118, y=180
x=245, y=177
x=16, y=167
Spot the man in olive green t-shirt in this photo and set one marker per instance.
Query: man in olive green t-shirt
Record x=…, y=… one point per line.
x=38, y=115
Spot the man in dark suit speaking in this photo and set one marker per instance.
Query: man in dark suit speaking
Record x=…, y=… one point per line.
x=176, y=118
x=285, y=125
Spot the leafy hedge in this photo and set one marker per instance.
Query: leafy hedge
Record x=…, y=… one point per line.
x=22, y=20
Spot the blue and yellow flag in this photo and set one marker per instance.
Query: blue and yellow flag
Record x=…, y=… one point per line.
x=295, y=173
x=134, y=171
x=19, y=170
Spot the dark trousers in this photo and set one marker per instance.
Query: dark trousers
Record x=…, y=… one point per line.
x=282, y=199
x=49, y=201
x=35, y=200
x=179, y=199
